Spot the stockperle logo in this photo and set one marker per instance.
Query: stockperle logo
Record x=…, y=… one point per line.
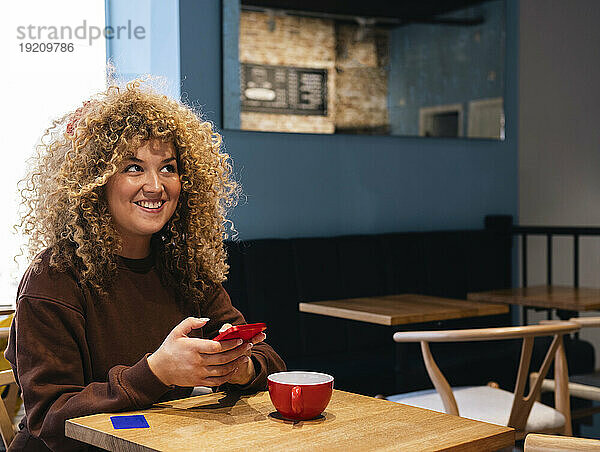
x=83, y=32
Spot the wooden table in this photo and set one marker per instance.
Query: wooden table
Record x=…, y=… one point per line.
x=249, y=423
x=550, y=297
x=404, y=309
x=6, y=309
x=392, y=310
x=562, y=298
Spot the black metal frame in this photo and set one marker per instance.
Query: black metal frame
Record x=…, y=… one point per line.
x=550, y=232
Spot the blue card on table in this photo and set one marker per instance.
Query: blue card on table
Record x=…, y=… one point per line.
x=133, y=421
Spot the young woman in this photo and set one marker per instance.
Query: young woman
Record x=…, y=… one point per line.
x=125, y=212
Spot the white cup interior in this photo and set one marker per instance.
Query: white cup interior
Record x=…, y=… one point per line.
x=300, y=378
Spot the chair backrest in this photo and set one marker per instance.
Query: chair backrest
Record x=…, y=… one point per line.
x=585, y=322
x=535, y=442
x=6, y=424
x=521, y=404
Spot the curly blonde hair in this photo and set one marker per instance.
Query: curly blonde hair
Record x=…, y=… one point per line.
x=65, y=208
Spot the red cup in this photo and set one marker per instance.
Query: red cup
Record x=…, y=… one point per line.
x=300, y=395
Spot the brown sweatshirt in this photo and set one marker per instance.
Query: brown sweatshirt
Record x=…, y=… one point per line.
x=74, y=354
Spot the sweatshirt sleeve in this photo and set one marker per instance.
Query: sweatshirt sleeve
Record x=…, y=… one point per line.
x=48, y=352
x=266, y=361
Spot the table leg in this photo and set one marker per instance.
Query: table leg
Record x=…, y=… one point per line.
x=565, y=314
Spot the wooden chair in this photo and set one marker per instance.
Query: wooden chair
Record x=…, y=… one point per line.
x=549, y=443
x=9, y=399
x=7, y=406
x=585, y=386
x=492, y=404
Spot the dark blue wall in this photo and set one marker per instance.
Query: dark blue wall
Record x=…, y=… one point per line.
x=311, y=185
x=442, y=64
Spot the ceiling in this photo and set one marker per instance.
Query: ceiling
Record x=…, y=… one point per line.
x=391, y=11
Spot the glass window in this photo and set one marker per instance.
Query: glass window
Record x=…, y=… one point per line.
x=55, y=60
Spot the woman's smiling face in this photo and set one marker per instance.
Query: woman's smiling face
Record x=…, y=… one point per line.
x=143, y=195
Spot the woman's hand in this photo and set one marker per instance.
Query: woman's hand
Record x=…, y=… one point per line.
x=189, y=361
x=245, y=373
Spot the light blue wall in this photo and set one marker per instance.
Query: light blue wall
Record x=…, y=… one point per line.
x=313, y=185
x=158, y=52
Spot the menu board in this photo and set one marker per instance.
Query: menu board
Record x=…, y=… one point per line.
x=283, y=89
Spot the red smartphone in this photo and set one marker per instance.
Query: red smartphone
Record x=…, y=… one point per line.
x=245, y=332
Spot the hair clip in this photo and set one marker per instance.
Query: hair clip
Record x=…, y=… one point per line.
x=75, y=117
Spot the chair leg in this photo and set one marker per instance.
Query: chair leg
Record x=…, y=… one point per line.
x=532, y=378
x=561, y=377
x=10, y=400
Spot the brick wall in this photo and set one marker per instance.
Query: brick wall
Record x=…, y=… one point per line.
x=356, y=62
x=289, y=41
x=362, y=79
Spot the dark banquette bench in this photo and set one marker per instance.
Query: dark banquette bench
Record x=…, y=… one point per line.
x=269, y=277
